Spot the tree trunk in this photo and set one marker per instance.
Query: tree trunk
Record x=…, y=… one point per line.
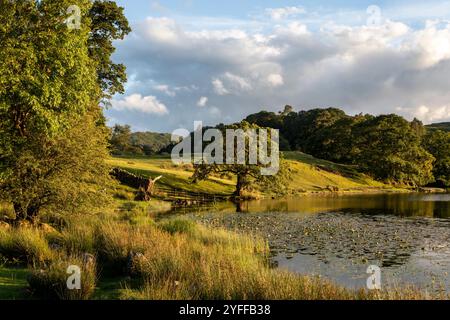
x=29, y=214
x=146, y=191
x=239, y=186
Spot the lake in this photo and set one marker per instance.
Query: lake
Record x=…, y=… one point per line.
x=338, y=237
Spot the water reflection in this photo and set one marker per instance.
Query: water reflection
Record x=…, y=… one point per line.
x=403, y=205
x=337, y=237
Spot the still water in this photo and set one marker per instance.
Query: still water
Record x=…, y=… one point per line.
x=339, y=237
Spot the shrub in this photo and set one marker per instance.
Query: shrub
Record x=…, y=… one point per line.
x=25, y=245
x=51, y=282
x=6, y=211
x=117, y=242
x=77, y=238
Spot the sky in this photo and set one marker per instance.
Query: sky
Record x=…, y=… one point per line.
x=218, y=61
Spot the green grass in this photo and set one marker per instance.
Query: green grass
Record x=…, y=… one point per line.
x=307, y=174
x=174, y=259
x=13, y=283
x=174, y=176
x=311, y=174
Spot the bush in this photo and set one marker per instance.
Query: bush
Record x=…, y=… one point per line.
x=51, y=282
x=77, y=238
x=117, y=242
x=25, y=245
x=6, y=211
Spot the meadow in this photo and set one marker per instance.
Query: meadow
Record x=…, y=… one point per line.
x=307, y=175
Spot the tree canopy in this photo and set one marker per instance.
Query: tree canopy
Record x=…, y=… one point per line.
x=248, y=174
x=53, y=137
x=388, y=147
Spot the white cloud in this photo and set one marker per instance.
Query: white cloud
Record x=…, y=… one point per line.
x=281, y=13
x=219, y=88
x=369, y=69
x=137, y=102
x=165, y=89
x=237, y=82
x=202, y=102
x=426, y=114
x=275, y=80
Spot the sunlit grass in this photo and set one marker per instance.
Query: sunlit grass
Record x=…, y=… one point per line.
x=172, y=259
x=307, y=174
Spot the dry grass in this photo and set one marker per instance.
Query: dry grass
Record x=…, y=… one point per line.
x=205, y=264
x=51, y=282
x=25, y=245
x=170, y=260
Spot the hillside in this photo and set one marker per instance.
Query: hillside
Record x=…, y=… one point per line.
x=444, y=126
x=152, y=141
x=308, y=175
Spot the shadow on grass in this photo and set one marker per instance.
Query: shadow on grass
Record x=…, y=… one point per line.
x=13, y=283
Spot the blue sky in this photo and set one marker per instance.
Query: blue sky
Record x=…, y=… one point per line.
x=218, y=61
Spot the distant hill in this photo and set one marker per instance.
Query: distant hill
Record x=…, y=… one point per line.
x=444, y=126
x=151, y=142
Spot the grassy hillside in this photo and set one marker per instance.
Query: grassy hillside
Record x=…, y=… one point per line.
x=308, y=174
x=173, y=176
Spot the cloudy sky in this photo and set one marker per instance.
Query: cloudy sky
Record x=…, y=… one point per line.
x=218, y=61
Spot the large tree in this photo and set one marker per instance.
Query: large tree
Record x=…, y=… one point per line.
x=438, y=144
x=247, y=174
x=53, y=136
x=389, y=148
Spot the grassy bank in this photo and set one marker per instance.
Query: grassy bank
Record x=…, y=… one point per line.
x=133, y=257
x=307, y=175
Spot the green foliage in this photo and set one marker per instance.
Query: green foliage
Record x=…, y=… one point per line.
x=125, y=142
x=121, y=141
x=66, y=173
x=24, y=246
x=387, y=147
x=438, y=144
x=108, y=23
x=444, y=126
x=53, y=138
x=246, y=174
x=390, y=149
x=151, y=142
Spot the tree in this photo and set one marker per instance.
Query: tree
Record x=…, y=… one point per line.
x=301, y=128
x=272, y=120
x=336, y=142
x=53, y=135
x=438, y=144
x=120, y=139
x=65, y=173
x=246, y=174
x=108, y=23
x=389, y=148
